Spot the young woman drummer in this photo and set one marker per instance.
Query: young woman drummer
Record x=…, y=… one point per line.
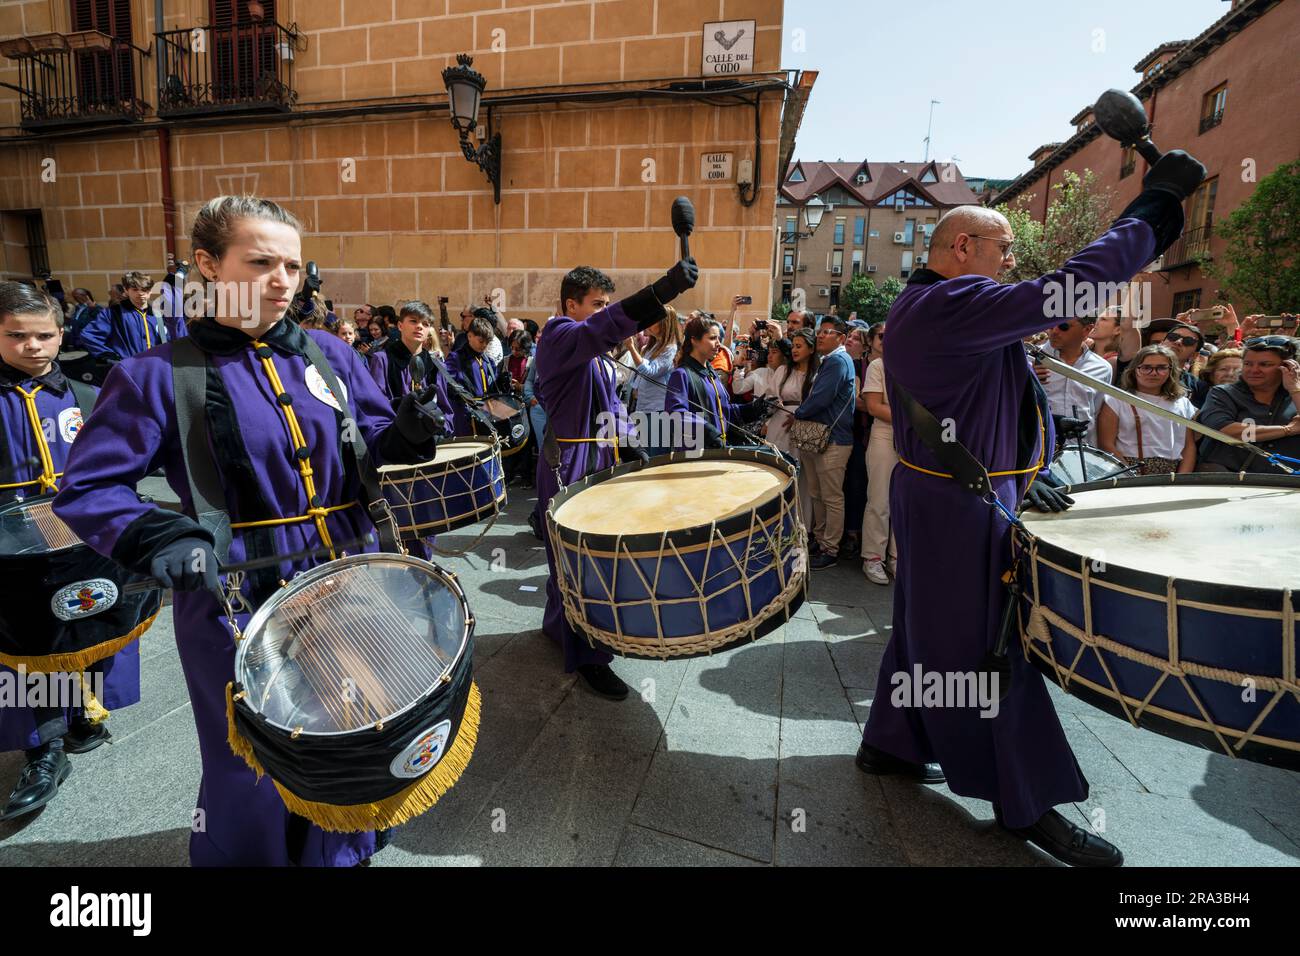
x=287, y=481
x=40, y=415
x=695, y=389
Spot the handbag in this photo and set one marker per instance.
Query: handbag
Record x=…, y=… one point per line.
x=810, y=437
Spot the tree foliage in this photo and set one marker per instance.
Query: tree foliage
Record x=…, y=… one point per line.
x=1260, y=266
x=1077, y=214
x=870, y=301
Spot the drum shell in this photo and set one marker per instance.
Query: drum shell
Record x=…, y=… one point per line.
x=30, y=629
x=435, y=497
x=516, y=425
x=1214, y=628
x=652, y=582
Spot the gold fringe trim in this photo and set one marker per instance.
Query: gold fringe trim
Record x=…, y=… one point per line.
x=392, y=811
x=78, y=660
x=91, y=708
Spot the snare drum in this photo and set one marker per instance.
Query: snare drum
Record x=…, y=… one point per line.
x=1171, y=601
x=353, y=691
x=680, y=556
x=510, y=420
x=461, y=485
x=1075, y=465
x=64, y=607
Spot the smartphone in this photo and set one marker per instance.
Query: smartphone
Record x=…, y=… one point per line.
x=1276, y=322
x=745, y=300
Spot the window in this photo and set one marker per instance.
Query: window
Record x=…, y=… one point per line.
x=787, y=263
x=857, y=262
x=902, y=198
x=796, y=176
x=36, y=249
x=837, y=262
x=786, y=290
x=1188, y=299
x=874, y=234
x=859, y=227
x=1128, y=162
x=929, y=176
x=1212, y=107
x=790, y=228
x=905, y=268
x=909, y=232
x=835, y=294
x=104, y=75
x=839, y=231
x=1200, y=218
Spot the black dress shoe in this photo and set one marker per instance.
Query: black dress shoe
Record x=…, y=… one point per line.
x=38, y=784
x=1067, y=842
x=603, y=681
x=821, y=561
x=83, y=737
x=874, y=761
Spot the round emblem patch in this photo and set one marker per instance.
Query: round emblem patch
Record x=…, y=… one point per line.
x=83, y=599
x=422, y=753
x=316, y=385
x=69, y=423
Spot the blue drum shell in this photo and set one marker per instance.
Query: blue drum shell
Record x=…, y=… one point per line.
x=428, y=502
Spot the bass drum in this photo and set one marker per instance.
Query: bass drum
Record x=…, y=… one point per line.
x=1078, y=464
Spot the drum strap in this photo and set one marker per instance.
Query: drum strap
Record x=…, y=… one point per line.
x=189, y=385
x=458, y=391
x=85, y=395
x=1137, y=427
x=951, y=454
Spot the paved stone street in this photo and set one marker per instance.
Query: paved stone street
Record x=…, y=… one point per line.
x=745, y=758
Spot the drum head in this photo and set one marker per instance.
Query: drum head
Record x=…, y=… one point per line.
x=1075, y=465
x=1228, y=533
x=448, y=453
x=671, y=497
x=353, y=643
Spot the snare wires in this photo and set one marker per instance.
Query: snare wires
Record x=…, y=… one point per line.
x=360, y=656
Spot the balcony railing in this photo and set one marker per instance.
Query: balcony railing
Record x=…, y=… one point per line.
x=1127, y=168
x=1191, y=247
x=76, y=78
x=1211, y=121
x=244, y=67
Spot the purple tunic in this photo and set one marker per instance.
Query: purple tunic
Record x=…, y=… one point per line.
x=680, y=399
x=573, y=386
x=60, y=418
x=955, y=344
x=133, y=432
x=476, y=374
x=121, y=330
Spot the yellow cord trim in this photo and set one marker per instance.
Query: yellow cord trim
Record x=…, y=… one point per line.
x=608, y=441
x=311, y=514
x=299, y=442
x=48, y=478
x=79, y=660
x=91, y=708
x=148, y=339
x=390, y=812
x=1031, y=470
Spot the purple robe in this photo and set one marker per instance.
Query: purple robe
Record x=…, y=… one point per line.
x=21, y=728
x=121, y=330
x=476, y=374
x=573, y=386
x=133, y=432
x=955, y=344
x=680, y=398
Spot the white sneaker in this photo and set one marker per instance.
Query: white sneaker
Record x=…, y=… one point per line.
x=874, y=569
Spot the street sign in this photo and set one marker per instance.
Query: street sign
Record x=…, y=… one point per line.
x=715, y=167
x=729, y=48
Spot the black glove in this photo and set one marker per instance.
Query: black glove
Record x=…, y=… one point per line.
x=419, y=418
x=187, y=564
x=1177, y=172
x=1043, y=497
x=679, y=278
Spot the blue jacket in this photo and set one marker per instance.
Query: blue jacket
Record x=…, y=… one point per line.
x=831, y=400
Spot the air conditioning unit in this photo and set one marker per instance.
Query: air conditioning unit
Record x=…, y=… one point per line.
x=899, y=206
x=824, y=292
x=803, y=267
x=861, y=179
x=838, y=270
x=922, y=260
x=871, y=268
x=900, y=238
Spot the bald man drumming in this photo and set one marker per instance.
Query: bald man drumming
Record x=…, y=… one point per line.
x=955, y=350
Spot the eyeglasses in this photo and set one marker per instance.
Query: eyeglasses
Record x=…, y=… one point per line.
x=1182, y=339
x=1004, y=245
x=1153, y=369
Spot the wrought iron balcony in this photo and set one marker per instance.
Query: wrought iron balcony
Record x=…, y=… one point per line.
x=1211, y=121
x=242, y=67
x=66, y=79
x=1192, y=247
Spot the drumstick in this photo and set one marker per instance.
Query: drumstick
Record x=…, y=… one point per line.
x=141, y=585
x=1069, y=372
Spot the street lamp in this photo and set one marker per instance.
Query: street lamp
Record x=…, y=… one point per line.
x=813, y=210
x=464, y=91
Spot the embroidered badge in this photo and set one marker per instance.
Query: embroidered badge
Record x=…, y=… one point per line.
x=69, y=423
x=422, y=753
x=83, y=599
x=316, y=385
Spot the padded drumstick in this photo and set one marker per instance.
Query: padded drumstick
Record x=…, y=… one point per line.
x=1121, y=116
x=684, y=222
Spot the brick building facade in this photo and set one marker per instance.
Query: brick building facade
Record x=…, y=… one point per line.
x=1230, y=97
x=337, y=109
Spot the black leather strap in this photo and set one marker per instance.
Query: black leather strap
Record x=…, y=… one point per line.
x=458, y=391
x=85, y=394
x=189, y=385
x=952, y=456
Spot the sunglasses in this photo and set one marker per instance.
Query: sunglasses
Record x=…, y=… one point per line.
x=1182, y=339
x=1271, y=341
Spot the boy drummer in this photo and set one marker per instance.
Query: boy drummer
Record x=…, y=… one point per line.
x=39, y=417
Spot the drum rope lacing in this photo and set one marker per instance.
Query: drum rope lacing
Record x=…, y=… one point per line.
x=438, y=483
x=1036, y=630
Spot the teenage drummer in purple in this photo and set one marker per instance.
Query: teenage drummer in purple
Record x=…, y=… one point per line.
x=127, y=328
x=955, y=349
x=472, y=369
x=578, y=390
x=287, y=481
x=40, y=415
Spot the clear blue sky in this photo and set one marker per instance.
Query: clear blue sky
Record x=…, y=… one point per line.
x=1008, y=75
